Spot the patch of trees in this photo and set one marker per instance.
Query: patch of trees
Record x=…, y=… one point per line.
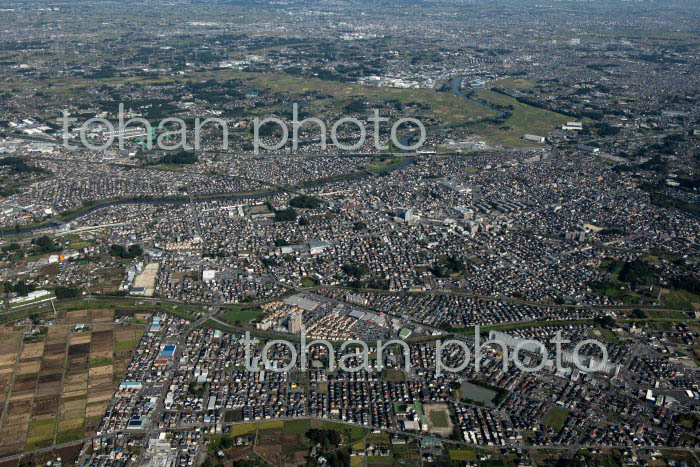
x=179, y=158
x=605, y=129
x=592, y=114
x=21, y=288
x=374, y=283
x=637, y=272
x=119, y=251
x=638, y=314
x=600, y=287
x=356, y=270
x=688, y=183
x=11, y=247
x=66, y=292
x=356, y=106
x=328, y=75
x=285, y=215
x=305, y=202
x=266, y=129
x=661, y=200
x=451, y=265
x=687, y=282
x=655, y=164
x=612, y=231
x=46, y=245
x=606, y=321
x=17, y=165
x=338, y=458
x=669, y=144
x=324, y=437
x=197, y=390
x=104, y=72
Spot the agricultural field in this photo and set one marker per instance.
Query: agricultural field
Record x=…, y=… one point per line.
x=682, y=299
x=350, y=432
x=281, y=442
x=462, y=455
x=55, y=385
x=278, y=448
x=406, y=454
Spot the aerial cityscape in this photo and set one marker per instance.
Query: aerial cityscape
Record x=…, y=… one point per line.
x=349, y=233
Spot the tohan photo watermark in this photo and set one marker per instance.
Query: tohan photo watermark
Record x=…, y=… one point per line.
x=360, y=354
x=178, y=130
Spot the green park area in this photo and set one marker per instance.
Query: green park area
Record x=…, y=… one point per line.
x=523, y=119
x=241, y=316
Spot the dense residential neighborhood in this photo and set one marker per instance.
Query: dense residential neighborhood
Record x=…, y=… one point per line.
x=341, y=233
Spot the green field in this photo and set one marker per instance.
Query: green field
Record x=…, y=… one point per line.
x=273, y=425
x=354, y=432
x=524, y=119
x=101, y=362
x=555, y=418
x=308, y=282
x=233, y=416
x=666, y=314
x=513, y=83
x=243, y=429
x=42, y=427
x=241, y=316
x=296, y=427
x=446, y=107
x=463, y=455
x=130, y=344
x=394, y=375
x=682, y=299
x=607, y=334
x=380, y=164
x=613, y=290
x=439, y=419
